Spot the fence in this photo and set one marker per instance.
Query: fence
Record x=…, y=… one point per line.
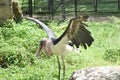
x=51, y=8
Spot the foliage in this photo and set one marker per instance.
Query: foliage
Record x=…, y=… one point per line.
x=19, y=43
x=112, y=55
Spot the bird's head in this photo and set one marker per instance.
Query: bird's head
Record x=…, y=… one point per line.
x=45, y=45
x=43, y=42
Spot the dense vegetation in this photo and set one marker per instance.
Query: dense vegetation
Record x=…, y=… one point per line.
x=18, y=44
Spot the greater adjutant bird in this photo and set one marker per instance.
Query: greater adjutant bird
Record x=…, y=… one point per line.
x=75, y=34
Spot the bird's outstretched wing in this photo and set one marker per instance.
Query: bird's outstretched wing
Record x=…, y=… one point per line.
x=45, y=27
x=77, y=33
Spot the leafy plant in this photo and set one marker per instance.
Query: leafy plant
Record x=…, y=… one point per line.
x=18, y=43
x=112, y=55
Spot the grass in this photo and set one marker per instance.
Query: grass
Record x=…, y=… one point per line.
x=19, y=43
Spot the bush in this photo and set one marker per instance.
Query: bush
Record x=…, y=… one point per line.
x=18, y=43
x=112, y=55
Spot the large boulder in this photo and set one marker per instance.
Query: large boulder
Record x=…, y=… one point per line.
x=97, y=73
x=6, y=11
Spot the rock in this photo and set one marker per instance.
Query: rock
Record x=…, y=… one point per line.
x=97, y=73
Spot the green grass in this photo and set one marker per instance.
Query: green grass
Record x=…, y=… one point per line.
x=19, y=43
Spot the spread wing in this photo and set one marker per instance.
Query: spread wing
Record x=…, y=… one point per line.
x=45, y=27
x=77, y=33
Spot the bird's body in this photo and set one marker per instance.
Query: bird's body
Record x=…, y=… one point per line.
x=75, y=34
x=62, y=47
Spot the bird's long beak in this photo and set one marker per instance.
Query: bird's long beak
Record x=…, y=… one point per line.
x=39, y=49
x=43, y=45
x=47, y=51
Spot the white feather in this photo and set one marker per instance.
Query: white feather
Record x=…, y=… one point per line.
x=61, y=48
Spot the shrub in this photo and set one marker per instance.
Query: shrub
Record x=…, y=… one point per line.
x=112, y=55
x=19, y=43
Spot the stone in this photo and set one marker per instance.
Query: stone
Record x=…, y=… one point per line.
x=97, y=73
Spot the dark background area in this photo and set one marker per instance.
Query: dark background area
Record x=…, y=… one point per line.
x=52, y=9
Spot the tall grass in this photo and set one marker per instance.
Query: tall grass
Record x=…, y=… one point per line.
x=19, y=43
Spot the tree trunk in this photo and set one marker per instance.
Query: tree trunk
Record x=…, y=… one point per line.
x=6, y=11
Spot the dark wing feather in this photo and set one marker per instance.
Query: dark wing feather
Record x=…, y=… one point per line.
x=78, y=34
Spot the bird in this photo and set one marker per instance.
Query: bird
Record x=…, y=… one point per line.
x=75, y=35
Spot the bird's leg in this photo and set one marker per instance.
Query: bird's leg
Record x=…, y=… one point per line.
x=63, y=67
x=59, y=67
